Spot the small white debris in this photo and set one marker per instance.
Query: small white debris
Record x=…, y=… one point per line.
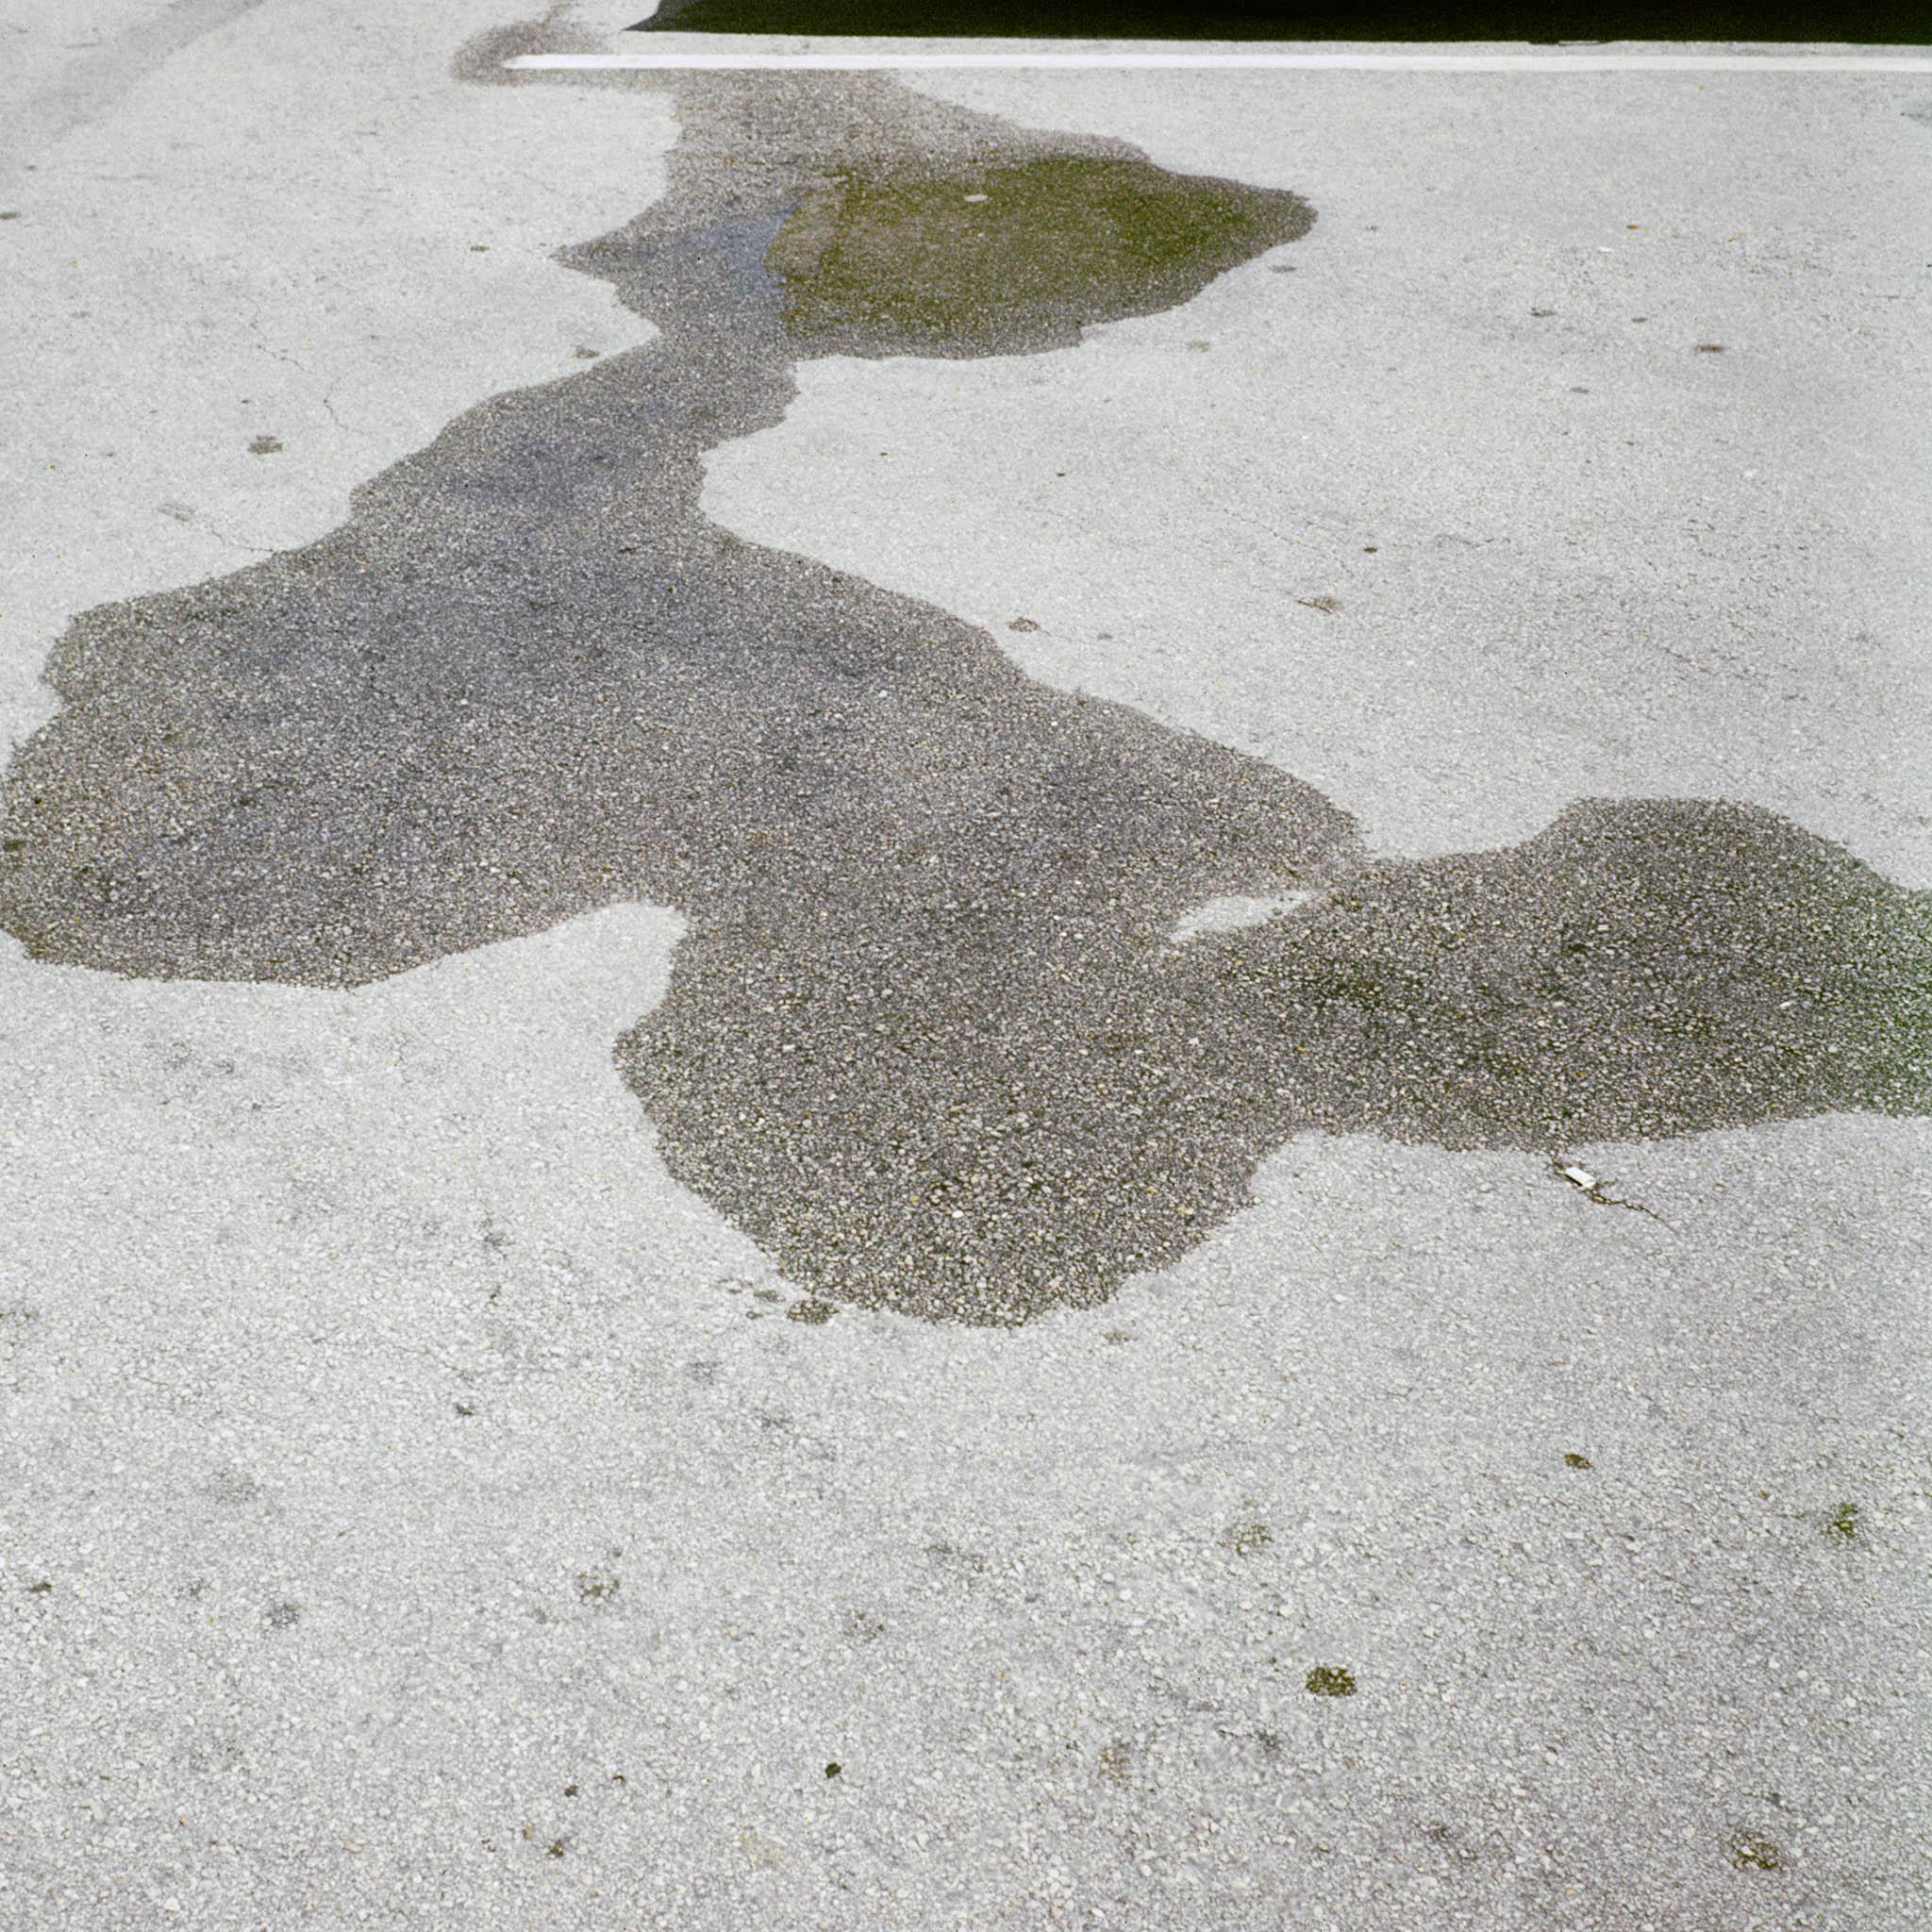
x=1581, y=1176
x=975, y=197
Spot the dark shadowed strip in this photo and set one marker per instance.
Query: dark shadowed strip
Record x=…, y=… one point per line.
x=1541, y=22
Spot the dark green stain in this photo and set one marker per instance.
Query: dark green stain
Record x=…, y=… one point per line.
x=1750, y=1850
x=959, y=262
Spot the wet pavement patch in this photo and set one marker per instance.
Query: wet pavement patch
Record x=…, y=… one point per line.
x=926, y=1040
x=979, y=261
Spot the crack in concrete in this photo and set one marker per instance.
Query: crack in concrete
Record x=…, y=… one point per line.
x=1592, y=1190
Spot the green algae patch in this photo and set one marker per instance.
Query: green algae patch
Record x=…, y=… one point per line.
x=1750, y=1850
x=1330, y=1680
x=1010, y=259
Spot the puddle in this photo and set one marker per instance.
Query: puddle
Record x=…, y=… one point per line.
x=928, y=1040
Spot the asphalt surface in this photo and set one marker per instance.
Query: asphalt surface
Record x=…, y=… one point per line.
x=1266, y=866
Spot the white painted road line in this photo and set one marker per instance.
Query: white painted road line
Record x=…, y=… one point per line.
x=862, y=55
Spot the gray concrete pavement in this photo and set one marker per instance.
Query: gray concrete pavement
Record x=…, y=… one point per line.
x=420, y=1507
